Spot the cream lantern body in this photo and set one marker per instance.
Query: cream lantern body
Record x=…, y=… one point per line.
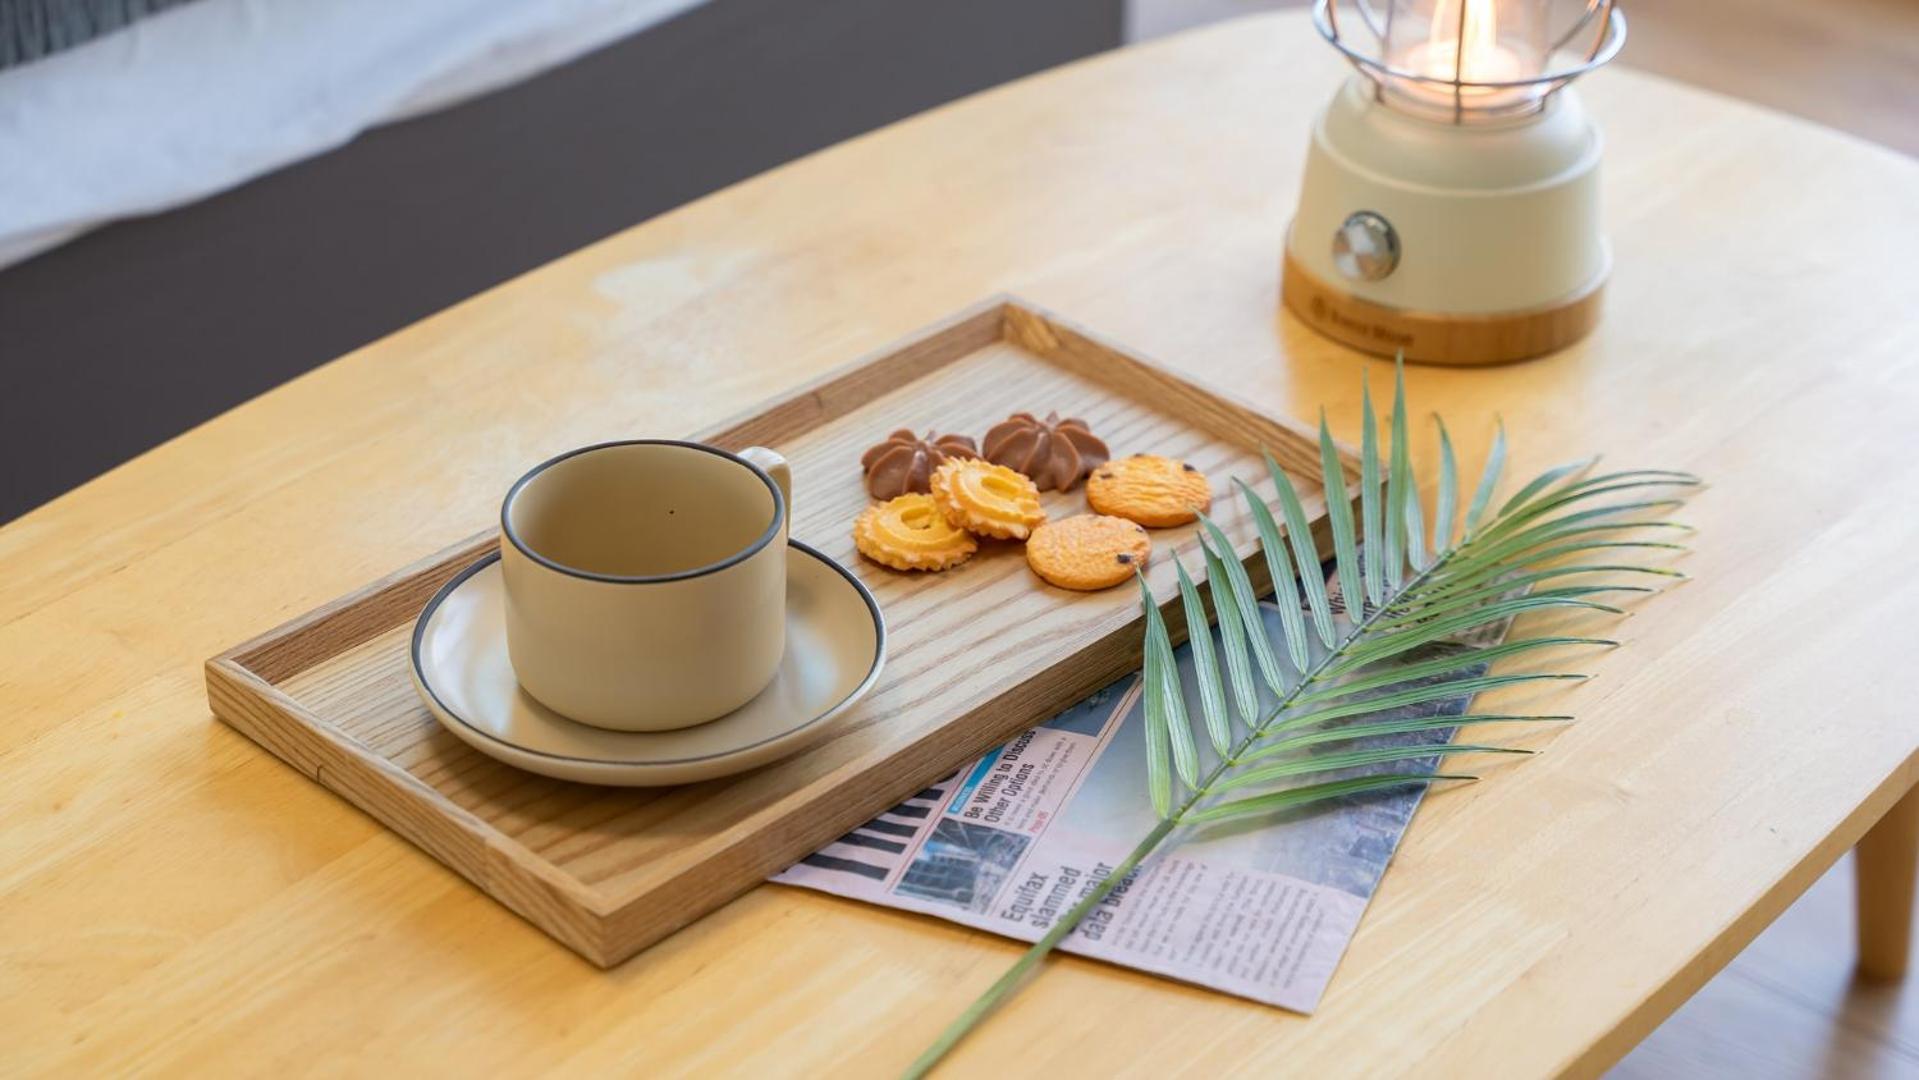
x=1496, y=228
x=1449, y=207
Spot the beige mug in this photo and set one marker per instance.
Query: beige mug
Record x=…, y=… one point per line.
x=646, y=581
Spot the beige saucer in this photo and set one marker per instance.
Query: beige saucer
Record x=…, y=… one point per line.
x=835, y=641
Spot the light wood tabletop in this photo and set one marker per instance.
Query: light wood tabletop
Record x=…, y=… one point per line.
x=173, y=898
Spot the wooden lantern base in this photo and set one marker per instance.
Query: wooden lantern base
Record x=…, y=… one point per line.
x=1434, y=338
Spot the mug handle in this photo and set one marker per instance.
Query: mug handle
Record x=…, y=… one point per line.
x=777, y=468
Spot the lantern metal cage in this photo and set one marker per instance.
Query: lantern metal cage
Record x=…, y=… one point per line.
x=1539, y=66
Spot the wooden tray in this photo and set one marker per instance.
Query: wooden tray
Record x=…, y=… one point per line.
x=975, y=654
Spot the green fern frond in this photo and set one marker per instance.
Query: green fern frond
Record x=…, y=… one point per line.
x=1355, y=691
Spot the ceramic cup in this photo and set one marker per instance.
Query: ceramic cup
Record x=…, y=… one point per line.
x=646, y=581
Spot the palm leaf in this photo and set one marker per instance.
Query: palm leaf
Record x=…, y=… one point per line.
x=1312, y=576
x=1458, y=601
x=1551, y=555
x=1370, y=525
x=1199, y=636
x=1536, y=576
x=1159, y=776
x=1355, y=732
x=1302, y=796
x=1408, y=611
x=1378, y=648
x=1517, y=579
x=1545, y=480
x=1248, y=605
x=1339, y=515
x=1415, y=525
x=1643, y=477
x=1280, y=569
x=1491, y=546
x=1232, y=635
x=1544, y=505
x=1450, y=662
x=1509, y=552
x=1166, y=688
x=1420, y=695
x=1446, y=605
x=1399, y=481
x=1443, y=508
x=1353, y=759
x=1488, y=479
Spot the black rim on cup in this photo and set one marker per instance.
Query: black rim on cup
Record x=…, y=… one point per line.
x=765, y=538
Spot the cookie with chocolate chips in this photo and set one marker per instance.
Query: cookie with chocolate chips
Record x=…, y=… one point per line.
x=1155, y=491
x=1088, y=551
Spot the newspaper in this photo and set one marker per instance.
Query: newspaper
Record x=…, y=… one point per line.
x=1260, y=908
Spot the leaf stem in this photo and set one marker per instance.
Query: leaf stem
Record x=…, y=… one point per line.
x=1004, y=987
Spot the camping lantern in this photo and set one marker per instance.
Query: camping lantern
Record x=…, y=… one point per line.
x=1450, y=204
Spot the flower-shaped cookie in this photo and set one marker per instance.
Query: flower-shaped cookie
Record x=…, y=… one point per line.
x=905, y=462
x=1055, y=453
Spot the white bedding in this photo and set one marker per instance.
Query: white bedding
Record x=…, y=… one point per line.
x=213, y=93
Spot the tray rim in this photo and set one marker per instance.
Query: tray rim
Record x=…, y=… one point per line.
x=1004, y=316
x=586, y=916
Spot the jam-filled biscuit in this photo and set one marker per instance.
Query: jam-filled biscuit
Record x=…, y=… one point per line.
x=910, y=533
x=988, y=499
x=1155, y=491
x=1087, y=551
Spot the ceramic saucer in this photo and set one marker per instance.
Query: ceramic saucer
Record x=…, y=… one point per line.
x=835, y=641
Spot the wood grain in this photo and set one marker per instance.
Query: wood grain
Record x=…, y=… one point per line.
x=175, y=900
x=975, y=654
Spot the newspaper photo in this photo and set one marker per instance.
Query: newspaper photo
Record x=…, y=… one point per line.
x=1262, y=908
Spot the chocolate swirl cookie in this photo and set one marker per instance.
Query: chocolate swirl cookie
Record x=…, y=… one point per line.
x=1056, y=453
x=905, y=462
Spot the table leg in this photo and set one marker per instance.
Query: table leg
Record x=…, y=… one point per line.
x=1883, y=866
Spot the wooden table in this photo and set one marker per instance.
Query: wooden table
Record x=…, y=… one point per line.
x=173, y=897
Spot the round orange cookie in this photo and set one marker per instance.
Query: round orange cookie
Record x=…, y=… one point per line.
x=910, y=533
x=1152, y=490
x=1087, y=551
x=988, y=499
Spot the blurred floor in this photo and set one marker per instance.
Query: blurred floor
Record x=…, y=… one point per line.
x=1788, y=1007
x=1849, y=64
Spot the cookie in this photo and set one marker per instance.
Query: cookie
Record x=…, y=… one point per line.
x=1155, y=491
x=987, y=499
x=1088, y=551
x=910, y=533
x=905, y=462
x=1056, y=453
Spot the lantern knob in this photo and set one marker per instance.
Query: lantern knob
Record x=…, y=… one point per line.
x=1366, y=248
